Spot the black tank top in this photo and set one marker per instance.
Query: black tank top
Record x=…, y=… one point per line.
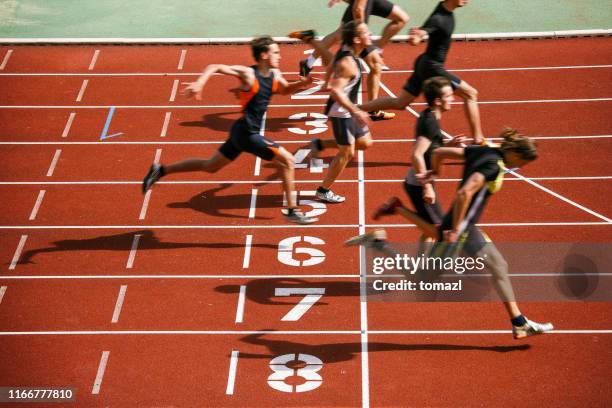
x=255, y=101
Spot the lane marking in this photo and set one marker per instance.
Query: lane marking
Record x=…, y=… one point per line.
x=82, y=90
x=109, y=117
x=257, y=170
x=253, y=205
x=247, y=252
x=145, y=205
x=119, y=303
x=231, y=377
x=283, y=332
x=174, y=90
x=17, y=253
x=164, y=130
x=100, y=375
x=181, y=60
x=314, y=72
x=132, y=256
x=157, y=157
x=240, y=306
x=94, y=59
x=2, y=292
x=54, y=161
x=32, y=277
x=37, y=204
x=6, y=58
x=286, y=226
x=68, y=124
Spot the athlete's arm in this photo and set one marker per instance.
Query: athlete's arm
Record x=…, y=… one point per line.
x=246, y=76
x=462, y=202
x=416, y=35
x=418, y=163
x=443, y=153
x=285, y=87
x=332, y=3
x=345, y=70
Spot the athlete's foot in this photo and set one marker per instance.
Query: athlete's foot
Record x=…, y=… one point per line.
x=154, y=174
x=304, y=68
x=388, y=208
x=530, y=328
x=381, y=115
x=329, y=196
x=303, y=35
x=315, y=148
x=298, y=217
x=376, y=240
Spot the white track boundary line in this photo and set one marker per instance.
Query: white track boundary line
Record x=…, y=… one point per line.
x=145, y=205
x=119, y=303
x=54, y=161
x=79, y=97
x=37, y=204
x=246, y=261
x=2, y=292
x=68, y=124
x=598, y=32
x=100, y=374
x=240, y=305
x=132, y=256
x=253, y=205
x=175, y=86
x=164, y=129
x=94, y=59
x=17, y=253
x=5, y=60
x=282, y=332
x=308, y=105
x=231, y=376
x=33, y=277
x=181, y=60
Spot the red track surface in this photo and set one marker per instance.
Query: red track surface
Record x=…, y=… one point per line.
x=60, y=292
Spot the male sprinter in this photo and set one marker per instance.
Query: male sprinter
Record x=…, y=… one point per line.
x=257, y=84
x=438, y=30
x=372, y=55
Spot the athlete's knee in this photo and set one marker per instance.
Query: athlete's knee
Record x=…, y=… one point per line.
x=346, y=154
x=469, y=93
x=399, y=16
x=375, y=66
x=363, y=143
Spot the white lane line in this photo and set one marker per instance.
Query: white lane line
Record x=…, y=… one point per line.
x=68, y=124
x=157, y=158
x=231, y=377
x=37, y=204
x=174, y=90
x=145, y=205
x=54, y=161
x=247, y=252
x=79, y=97
x=2, y=292
x=132, y=256
x=100, y=375
x=253, y=205
x=32, y=277
x=240, y=306
x=257, y=170
x=94, y=59
x=559, y=196
x=164, y=130
x=119, y=303
x=294, y=332
x=18, y=251
x=6, y=59
x=181, y=60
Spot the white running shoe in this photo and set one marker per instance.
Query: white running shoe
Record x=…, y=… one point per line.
x=530, y=328
x=330, y=197
x=298, y=217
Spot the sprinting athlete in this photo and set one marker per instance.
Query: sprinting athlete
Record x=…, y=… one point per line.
x=482, y=176
x=438, y=30
x=372, y=55
x=257, y=84
x=349, y=123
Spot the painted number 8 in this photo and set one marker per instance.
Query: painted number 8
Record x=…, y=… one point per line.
x=281, y=371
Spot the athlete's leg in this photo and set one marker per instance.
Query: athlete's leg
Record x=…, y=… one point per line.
x=397, y=103
x=211, y=165
x=344, y=155
x=375, y=63
x=286, y=164
x=364, y=142
x=398, y=18
x=470, y=96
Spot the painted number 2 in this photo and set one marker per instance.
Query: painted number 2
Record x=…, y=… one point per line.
x=309, y=372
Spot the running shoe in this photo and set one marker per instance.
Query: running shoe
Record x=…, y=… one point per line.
x=314, y=148
x=330, y=197
x=530, y=328
x=304, y=68
x=367, y=239
x=303, y=35
x=298, y=217
x=385, y=67
x=381, y=115
x=388, y=208
x=152, y=177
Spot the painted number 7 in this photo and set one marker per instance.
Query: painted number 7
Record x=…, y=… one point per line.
x=311, y=296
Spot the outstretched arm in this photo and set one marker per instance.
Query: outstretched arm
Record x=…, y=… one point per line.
x=441, y=154
x=244, y=74
x=285, y=87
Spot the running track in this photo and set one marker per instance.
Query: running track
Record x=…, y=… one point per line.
x=176, y=298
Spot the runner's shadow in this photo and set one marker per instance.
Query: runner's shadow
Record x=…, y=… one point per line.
x=208, y=202
x=339, y=352
x=223, y=121
x=123, y=242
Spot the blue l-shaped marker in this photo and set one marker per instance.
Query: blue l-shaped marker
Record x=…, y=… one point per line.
x=107, y=125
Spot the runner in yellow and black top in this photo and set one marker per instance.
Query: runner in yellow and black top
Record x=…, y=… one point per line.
x=482, y=176
x=258, y=83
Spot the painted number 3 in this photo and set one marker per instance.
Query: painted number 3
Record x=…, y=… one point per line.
x=286, y=366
